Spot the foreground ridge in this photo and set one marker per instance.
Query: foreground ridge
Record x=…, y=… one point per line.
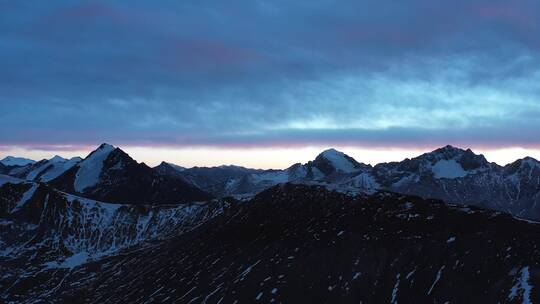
x=296, y=243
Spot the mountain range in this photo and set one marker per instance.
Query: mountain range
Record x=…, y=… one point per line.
x=451, y=174
x=446, y=226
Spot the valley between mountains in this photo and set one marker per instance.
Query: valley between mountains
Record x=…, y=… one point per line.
x=444, y=227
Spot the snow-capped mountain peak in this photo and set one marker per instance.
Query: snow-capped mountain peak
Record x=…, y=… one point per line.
x=447, y=152
x=90, y=168
x=47, y=170
x=452, y=162
x=16, y=161
x=338, y=161
x=106, y=146
x=331, y=151
x=110, y=174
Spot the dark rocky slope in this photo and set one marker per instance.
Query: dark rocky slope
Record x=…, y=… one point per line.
x=45, y=234
x=305, y=244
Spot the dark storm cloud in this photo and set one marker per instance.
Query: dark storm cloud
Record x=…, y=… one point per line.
x=269, y=73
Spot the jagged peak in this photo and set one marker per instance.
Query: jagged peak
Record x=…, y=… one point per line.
x=451, y=152
x=445, y=162
x=106, y=146
x=449, y=149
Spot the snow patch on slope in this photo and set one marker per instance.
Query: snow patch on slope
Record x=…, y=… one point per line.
x=448, y=169
x=522, y=285
x=71, y=262
x=4, y=179
x=34, y=173
x=59, y=168
x=26, y=196
x=52, y=168
x=366, y=182
x=90, y=168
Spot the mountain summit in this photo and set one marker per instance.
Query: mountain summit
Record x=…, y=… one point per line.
x=332, y=160
x=110, y=174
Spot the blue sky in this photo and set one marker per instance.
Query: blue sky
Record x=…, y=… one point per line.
x=218, y=75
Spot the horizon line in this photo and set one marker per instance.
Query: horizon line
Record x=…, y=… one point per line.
x=394, y=150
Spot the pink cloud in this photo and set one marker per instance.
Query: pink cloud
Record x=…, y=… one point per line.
x=205, y=53
x=515, y=13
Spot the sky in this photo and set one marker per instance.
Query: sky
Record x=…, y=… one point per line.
x=269, y=83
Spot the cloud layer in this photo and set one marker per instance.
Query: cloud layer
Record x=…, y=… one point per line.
x=254, y=73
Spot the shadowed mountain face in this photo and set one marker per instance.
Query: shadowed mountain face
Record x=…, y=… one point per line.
x=45, y=232
x=296, y=243
x=109, y=174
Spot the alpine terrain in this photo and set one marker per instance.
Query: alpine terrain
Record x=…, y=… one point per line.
x=445, y=227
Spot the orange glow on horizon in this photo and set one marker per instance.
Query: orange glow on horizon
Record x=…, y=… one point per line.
x=268, y=158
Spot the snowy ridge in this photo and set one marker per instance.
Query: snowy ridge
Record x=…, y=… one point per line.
x=16, y=161
x=90, y=168
x=52, y=168
x=73, y=229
